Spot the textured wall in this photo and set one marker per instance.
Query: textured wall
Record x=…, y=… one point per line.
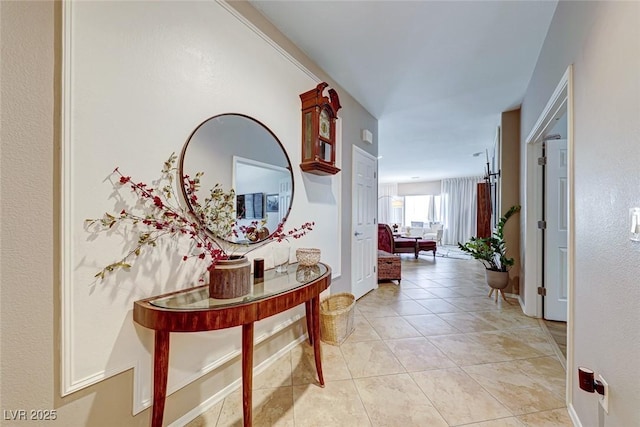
x=27, y=194
x=602, y=40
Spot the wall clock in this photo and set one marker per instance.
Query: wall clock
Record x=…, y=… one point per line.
x=319, y=114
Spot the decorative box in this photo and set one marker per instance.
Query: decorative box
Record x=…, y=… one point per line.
x=389, y=266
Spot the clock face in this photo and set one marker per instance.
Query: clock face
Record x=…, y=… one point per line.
x=325, y=131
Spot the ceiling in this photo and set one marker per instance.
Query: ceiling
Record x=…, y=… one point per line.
x=436, y=74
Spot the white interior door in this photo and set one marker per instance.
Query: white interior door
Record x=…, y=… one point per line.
x=555, y=242
x=363, y=225
x=284, y=198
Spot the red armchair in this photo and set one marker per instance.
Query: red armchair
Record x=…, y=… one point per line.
x=395, y=245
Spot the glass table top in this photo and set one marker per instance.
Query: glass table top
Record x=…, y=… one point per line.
x=273, y=284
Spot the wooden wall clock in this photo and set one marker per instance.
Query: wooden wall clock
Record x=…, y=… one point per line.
x=319, y=114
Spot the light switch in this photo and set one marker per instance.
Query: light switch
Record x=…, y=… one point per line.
x=634, y=221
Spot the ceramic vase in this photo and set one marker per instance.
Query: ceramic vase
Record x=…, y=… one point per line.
x=230, y=278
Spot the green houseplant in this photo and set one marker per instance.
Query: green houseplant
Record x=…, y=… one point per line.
x=492, y=252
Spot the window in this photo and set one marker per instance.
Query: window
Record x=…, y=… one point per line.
x=426, y=209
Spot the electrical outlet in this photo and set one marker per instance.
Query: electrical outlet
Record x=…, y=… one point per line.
x=604, y=398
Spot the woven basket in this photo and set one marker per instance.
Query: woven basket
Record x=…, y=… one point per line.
x=337, y=318
x=308, y=256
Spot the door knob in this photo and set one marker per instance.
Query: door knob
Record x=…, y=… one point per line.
x=357, y=234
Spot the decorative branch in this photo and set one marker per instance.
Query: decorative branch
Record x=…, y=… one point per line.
x=211, y=225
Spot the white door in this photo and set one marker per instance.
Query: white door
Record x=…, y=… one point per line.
x=284, y=198
x=555, y=241
x=364, y=241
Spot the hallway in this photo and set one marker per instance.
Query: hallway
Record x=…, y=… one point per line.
x=434, y=351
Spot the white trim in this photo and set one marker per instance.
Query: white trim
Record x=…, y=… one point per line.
x=571, y=237
x=268, y=39
x=574, y=416
x=533, y=236
x=67, y=384
x=556, y=99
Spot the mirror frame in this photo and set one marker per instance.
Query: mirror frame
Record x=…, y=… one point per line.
x=275, y=138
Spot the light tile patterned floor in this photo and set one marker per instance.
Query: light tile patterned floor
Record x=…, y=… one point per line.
x=433, y=351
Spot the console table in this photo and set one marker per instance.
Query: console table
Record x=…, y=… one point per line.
x=191, y=310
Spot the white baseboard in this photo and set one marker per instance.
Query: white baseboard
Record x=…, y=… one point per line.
x=574, y=416
x=219, y=396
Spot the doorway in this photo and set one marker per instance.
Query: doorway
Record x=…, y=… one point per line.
x=555, y=215
x=559, y=106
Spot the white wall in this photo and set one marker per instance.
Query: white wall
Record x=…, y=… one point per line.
x=602, y=40
x=419, y=188
x=157, y=62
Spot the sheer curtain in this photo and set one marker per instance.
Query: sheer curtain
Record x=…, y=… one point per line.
x=386, y=195
x=459, y=207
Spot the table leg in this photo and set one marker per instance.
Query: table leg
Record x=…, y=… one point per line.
x=317, y=351
x=309, y=315
x=160, y=371
x=247, y=372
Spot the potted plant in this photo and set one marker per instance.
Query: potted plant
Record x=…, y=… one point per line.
x=492, y=252
x=210, y=225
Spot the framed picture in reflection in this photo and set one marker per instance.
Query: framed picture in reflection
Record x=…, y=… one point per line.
x=272, y=203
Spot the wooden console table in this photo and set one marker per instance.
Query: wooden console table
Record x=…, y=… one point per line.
x=192, y=310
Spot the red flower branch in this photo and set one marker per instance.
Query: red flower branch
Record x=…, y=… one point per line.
x=210, y=225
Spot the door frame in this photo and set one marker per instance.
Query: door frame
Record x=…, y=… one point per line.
x=562, y=98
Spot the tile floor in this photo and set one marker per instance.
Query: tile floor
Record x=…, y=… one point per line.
x=434, y=351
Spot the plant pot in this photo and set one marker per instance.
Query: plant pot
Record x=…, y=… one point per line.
x=497, y=279
x=230, y=278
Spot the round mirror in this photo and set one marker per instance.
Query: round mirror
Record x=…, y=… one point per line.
x=237, y=152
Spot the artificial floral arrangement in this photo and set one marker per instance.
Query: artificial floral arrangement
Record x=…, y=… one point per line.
x=492, y=251
x=210, y=225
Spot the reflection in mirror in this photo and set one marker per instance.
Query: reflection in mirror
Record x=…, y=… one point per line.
x=240, y=153
x=263, y=193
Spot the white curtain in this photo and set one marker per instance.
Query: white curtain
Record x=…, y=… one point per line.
x=387, y=193
x=459, y=208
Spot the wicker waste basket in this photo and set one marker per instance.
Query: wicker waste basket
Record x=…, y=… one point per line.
x=337, y=318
